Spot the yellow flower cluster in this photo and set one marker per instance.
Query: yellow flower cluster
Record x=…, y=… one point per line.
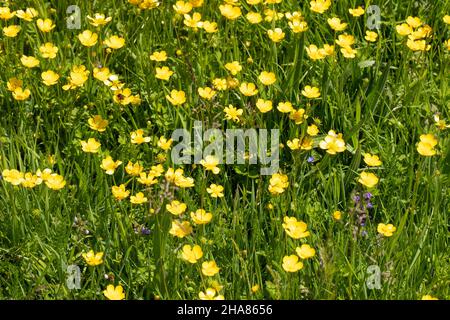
x=417, y=33
x=31, y=180
x=297, y=230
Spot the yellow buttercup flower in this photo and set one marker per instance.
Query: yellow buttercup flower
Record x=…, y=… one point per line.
x=320, y=6
x=31, y=180
x=159, y=56
x=446, y=19
x=201, y=216
x=99, y=20
x=336, y=24
x=232, y=82
x=29, y=61
x=193, y=21
x=93, y=259
x=267, y=78
x=48, y=50
x=372, y=160
x=232, y=113
x=403, y=29
x=91, y=146
x=210, y=27
x=50, y=78
x=182, y=7
x=314, y=53
x=137, y=137
x=427, y=144
x=206, y=93
x=196, y=3
x=97, y=123
x=333, y=143
x=176, y=207
x=230, y=12
x=102, y=74
x=28, y=15
x=427, y=296
x=119, y=192
x=109, y=165
x=165, y=143
x=413, y=22
x=139, y=198
x=371, y=36
x=45, y=25
x=114, y=42
x=44, y=174
x=345, y=40
x=234, y=67
x=311, y=92
x=114, y=293
x=295, y=229
x=14, y=84
x=418, y=45
x=210, y=163
x=276, y=35
x=180, y=229
x=191, y=254
x=293, y=144
x=176, y=97
x=328, y=50
x=307, y=143
x=134, y=169
x=254, y=17
x=305, y=251
x=421, y=33
x=248, y=89
x=163, y=73
x=210, y=294
x=13, y=176
x=297, y=25
x=55, y=182
x=292, y=264
x=220, y=84
x=215, y=190
x=298, y=116
x=157, y=171
x=278, y=183
x=337, y=215
x=440, y=123
x=88, y=38
x=359, y=11
x=6, y=13
x=348, y=52
x=386, y=230
x=368, y=179
x=147, y=179
x=21, y=94
x=11, y=31
x=210, y=268
x=264, y=105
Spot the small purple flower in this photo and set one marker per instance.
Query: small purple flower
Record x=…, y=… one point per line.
x=310, y=159
x=367, y=195
x=356, y=199
x=369, y=205
x=145, y=231
x=364, y=233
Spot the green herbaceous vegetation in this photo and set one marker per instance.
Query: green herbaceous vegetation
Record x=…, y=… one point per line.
x=387, y=96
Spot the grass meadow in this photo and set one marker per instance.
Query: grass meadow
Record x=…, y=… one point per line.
x=92, y=205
